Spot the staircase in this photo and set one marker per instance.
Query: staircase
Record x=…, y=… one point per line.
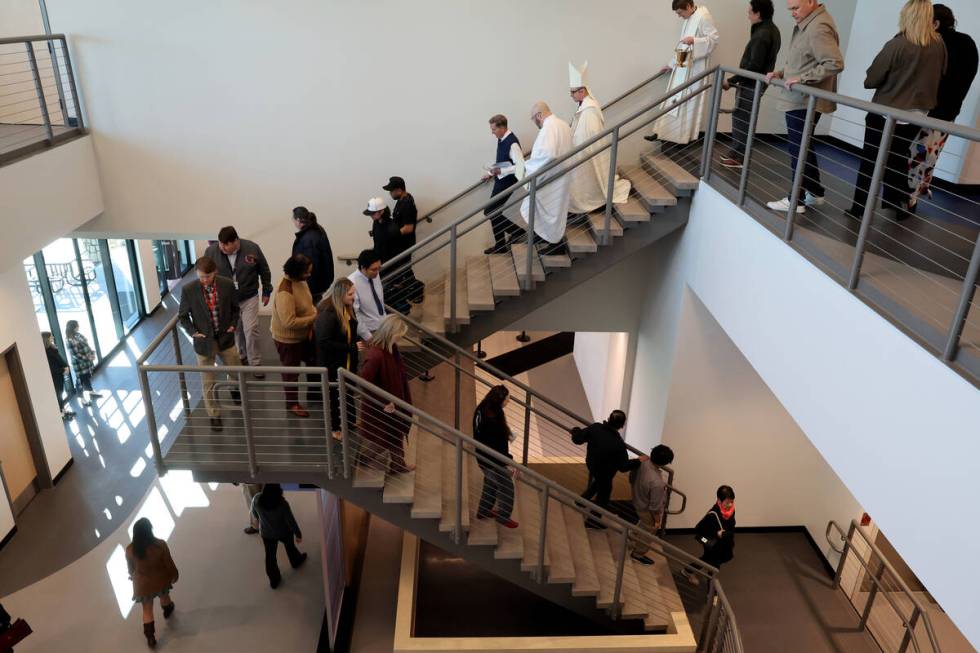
x=436, y=495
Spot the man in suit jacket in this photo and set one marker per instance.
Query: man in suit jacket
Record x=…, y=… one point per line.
x=208, y=313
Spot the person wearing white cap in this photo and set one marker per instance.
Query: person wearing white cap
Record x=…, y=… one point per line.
x=553, y=141
x=699, y=38
x=387, y=241
x=590, y=181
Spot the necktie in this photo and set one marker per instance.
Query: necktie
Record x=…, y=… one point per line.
x=377, y=300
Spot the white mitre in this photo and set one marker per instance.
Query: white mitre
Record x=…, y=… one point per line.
x=578, y=77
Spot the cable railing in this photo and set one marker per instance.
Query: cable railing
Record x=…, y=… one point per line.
x=39, y=104
x=865, y=575
x=912, y=256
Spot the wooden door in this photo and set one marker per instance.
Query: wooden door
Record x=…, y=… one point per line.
x=19, y=471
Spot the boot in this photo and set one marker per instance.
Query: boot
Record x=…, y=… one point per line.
x=169, y=610
x=149, y=630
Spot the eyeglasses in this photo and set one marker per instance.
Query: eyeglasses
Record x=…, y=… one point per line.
x=576, y=90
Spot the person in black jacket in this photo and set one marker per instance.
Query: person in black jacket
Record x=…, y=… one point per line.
x=961, y=69
x=406, y=216
x=337, y=342
x=606, y=454
x=759, y=57
x=59, y=368
x=277, y=524
x=490, y=428
x=716, y=533
x=312, y=242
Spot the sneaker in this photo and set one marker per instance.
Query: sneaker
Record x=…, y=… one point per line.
x=643, y=560
x=729, y=162
x=594, y=525
x=274, y=583
x=258, y=375
x=814, y=200
x=299, y=411
x=508, y=523
x=216, y=425
x=94, y=395
x=782, y=206
x=653, y=138
x=250, y=531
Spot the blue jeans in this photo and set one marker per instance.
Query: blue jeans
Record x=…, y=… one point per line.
x=795, y=122
x=498, y=490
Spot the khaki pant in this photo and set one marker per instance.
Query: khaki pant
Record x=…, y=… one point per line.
x=247, y=332
x=249, y=492
x=639, y=547
x=228, y=357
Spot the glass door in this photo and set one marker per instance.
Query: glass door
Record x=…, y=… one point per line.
x=123, y=260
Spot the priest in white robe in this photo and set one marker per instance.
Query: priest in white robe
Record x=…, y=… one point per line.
x=699, y=38
x=590, y=180
x=554, y=140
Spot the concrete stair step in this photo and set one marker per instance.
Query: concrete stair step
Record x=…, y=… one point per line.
x=432, y=308
x=634, y=604
x=605, y=567
x=586, y=580
x=529, y=504
x=580, y=240
x=650, y=191
x=428, y=477
x=462, y=304
x=371, y=478
x=479, y=287
x=552, y=261
x=669, y=172
x=632, y=211
x=503, y=275
x=447, y=520
x=510, y=542
x=399, y=488
x=669, y=598
x=560, y=555
x=597, y=222
x=657, y=618
x=519, y=254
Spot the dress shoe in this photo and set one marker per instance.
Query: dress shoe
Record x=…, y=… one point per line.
x=652, y=138
x=250, y=531
x=302, y=559
x=643, y=560
x=299, y=411
x=169, y=610
x=507, y=523
x=236, y=396
x=216, y=425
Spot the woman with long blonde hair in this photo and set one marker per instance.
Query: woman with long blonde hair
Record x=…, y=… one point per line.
x=905, y=75
x=380, y=423
x=337, y=342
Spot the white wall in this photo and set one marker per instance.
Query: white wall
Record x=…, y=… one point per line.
x=601, y=362
x=20, y=18
x=19, y=326
x=727, y=427
x=148, y=274
x=215, y=113
x=878, y=22
x=894, y=423
x=46, y=196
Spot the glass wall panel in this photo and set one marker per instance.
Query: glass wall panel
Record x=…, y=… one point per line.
x=67, y=286
x=34, y=283
x=99, y=293
x=126, y=286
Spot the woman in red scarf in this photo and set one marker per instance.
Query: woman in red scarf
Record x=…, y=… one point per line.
x=716, y=532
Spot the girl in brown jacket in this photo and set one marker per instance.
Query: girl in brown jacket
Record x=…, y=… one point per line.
x=292, y=327
x=153, y=573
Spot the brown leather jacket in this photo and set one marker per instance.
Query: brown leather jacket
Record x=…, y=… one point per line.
x=154, y=573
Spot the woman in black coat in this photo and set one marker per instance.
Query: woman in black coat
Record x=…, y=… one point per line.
x=312, y=242
x=59, y=368
x=337, y=343
x=490, y=429
x=716, y=532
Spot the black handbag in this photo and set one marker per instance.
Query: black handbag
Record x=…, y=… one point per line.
x=710, y=543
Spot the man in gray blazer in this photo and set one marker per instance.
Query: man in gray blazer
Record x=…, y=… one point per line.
x=209, y=313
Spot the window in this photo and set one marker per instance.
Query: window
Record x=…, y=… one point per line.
x=122, y=254
x=98, y=281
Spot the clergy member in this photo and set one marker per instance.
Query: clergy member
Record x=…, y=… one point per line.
x=699, y=38
x=590, y=180
x=554, y=140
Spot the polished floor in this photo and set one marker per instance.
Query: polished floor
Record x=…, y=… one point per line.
x=112, y=470
x=224, y=602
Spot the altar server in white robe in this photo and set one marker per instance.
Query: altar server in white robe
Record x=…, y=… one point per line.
x=590, y=180
x=699, y=37
x=554, y=140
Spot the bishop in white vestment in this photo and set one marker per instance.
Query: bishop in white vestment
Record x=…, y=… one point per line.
x=590, y=180
x=700, y=36
x=554, y=140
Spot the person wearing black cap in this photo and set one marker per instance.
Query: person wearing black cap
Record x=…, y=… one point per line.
x=406, y=216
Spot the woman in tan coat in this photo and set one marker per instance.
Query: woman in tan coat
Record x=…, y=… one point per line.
x=153, y=573
x=292, y=327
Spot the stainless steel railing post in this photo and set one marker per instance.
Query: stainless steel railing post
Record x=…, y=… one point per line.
x=39, y=89
x=620, y=569
x=805, y=138
x=542, y=534
x=253, y=464
x=185, y=398
x=743, y=182
x=710, y=622
x=452, y=280
x=458, y=530
x=709, y=136
x=963, y=309
x=610, y=190
x=910, y=632
x=151, y=423
x=527, y=426
x=71, y=83
x=839, y=572
x=344, y=422
x=457, y=383
x=869, y=206
x=871, y=596
x=531, y=212
x=327, y=423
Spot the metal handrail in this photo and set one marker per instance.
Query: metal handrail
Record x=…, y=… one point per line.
x=919, y=611
x=583, y=506
x=605, y=107
x=530, y=180
x=832, y=525
x=10, y=40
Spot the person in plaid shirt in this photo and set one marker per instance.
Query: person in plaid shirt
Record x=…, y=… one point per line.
x=83, y=360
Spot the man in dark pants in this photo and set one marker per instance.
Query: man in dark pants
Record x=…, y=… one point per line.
x=406, y=216
x=759, y=57
x=606, y=454
x=208, y=313
x=508, y=152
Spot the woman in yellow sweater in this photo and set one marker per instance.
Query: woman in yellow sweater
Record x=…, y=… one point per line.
x=292, y=326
